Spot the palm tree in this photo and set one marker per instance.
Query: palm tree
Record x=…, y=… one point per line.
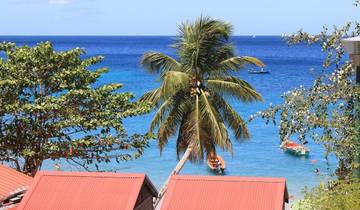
x=191, y=99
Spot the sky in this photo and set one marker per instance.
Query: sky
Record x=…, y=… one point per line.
x=162, y=17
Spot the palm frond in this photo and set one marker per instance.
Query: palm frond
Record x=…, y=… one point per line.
x=161, y=114
x=159, y=62
x=166, y=130
x=190, y=133
x=234, y=87
x=207, y=140
x=153, y=97
x=213, y=119
x=209, y=143
x=238, y=62
x=196, y=141
x=182, y=142
x=169, y=125
x=199, y=40
x=232, y=118
x=173, y=81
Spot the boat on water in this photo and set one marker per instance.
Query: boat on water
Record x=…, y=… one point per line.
x=216, y=163
x=294, y=148
x=261, y=71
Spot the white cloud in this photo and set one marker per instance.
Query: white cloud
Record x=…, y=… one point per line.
x=62, y=2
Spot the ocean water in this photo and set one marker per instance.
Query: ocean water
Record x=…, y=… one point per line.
x=260, y=156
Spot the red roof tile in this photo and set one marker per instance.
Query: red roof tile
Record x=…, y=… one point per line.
x=225, y=192
x=84, y=190
x=12, y=181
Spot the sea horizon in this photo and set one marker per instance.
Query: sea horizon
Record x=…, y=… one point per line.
x=121, y=35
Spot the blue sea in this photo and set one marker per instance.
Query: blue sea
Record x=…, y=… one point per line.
x=260, y=156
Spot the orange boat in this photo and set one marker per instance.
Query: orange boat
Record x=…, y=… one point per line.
x=216, y=163
x=294, y=148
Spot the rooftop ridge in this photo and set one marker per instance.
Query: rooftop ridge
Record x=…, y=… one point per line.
x=91, y=174
x=229, y=178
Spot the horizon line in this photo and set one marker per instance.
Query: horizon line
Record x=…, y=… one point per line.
x=123, y=35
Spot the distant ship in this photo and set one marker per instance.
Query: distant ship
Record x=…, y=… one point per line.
x=261, y=71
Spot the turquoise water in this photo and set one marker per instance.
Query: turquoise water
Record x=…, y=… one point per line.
x=260, y=156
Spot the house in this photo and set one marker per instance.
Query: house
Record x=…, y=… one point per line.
x=13, y=185
x=225, y=192
x=89, y=190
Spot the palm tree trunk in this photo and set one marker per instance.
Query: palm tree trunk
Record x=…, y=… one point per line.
x=176, y=170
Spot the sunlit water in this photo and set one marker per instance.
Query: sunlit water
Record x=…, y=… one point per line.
x=260, y=156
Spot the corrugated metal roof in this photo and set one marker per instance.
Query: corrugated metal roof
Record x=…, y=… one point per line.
x=225, y=192
x=12, y=181
x=84, y=190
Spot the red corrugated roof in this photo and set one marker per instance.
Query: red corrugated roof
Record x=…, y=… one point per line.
x=225, y=192
x=12, y=181
x=84, y=190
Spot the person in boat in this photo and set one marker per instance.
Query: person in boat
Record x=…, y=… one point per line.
x=217, y=163
x=214, y=161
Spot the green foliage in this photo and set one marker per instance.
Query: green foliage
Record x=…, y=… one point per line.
x=325, y=112
x=336, y=195
x=52, y=109
x=191, y=99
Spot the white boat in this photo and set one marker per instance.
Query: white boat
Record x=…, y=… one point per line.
x=262, y=71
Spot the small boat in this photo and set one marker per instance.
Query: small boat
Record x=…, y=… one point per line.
x=216, y=164
x=294, y=148
x=262, y=71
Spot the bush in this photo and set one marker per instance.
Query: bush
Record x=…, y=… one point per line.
x=334, y=195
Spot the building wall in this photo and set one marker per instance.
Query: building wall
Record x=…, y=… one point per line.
x=145, y=199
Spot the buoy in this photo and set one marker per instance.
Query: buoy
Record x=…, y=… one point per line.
x=313, y=161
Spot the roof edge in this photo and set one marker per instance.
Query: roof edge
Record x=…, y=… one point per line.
x=90, y=174
x=228, y=178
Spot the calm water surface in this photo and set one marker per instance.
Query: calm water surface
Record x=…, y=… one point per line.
x=289, y=66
